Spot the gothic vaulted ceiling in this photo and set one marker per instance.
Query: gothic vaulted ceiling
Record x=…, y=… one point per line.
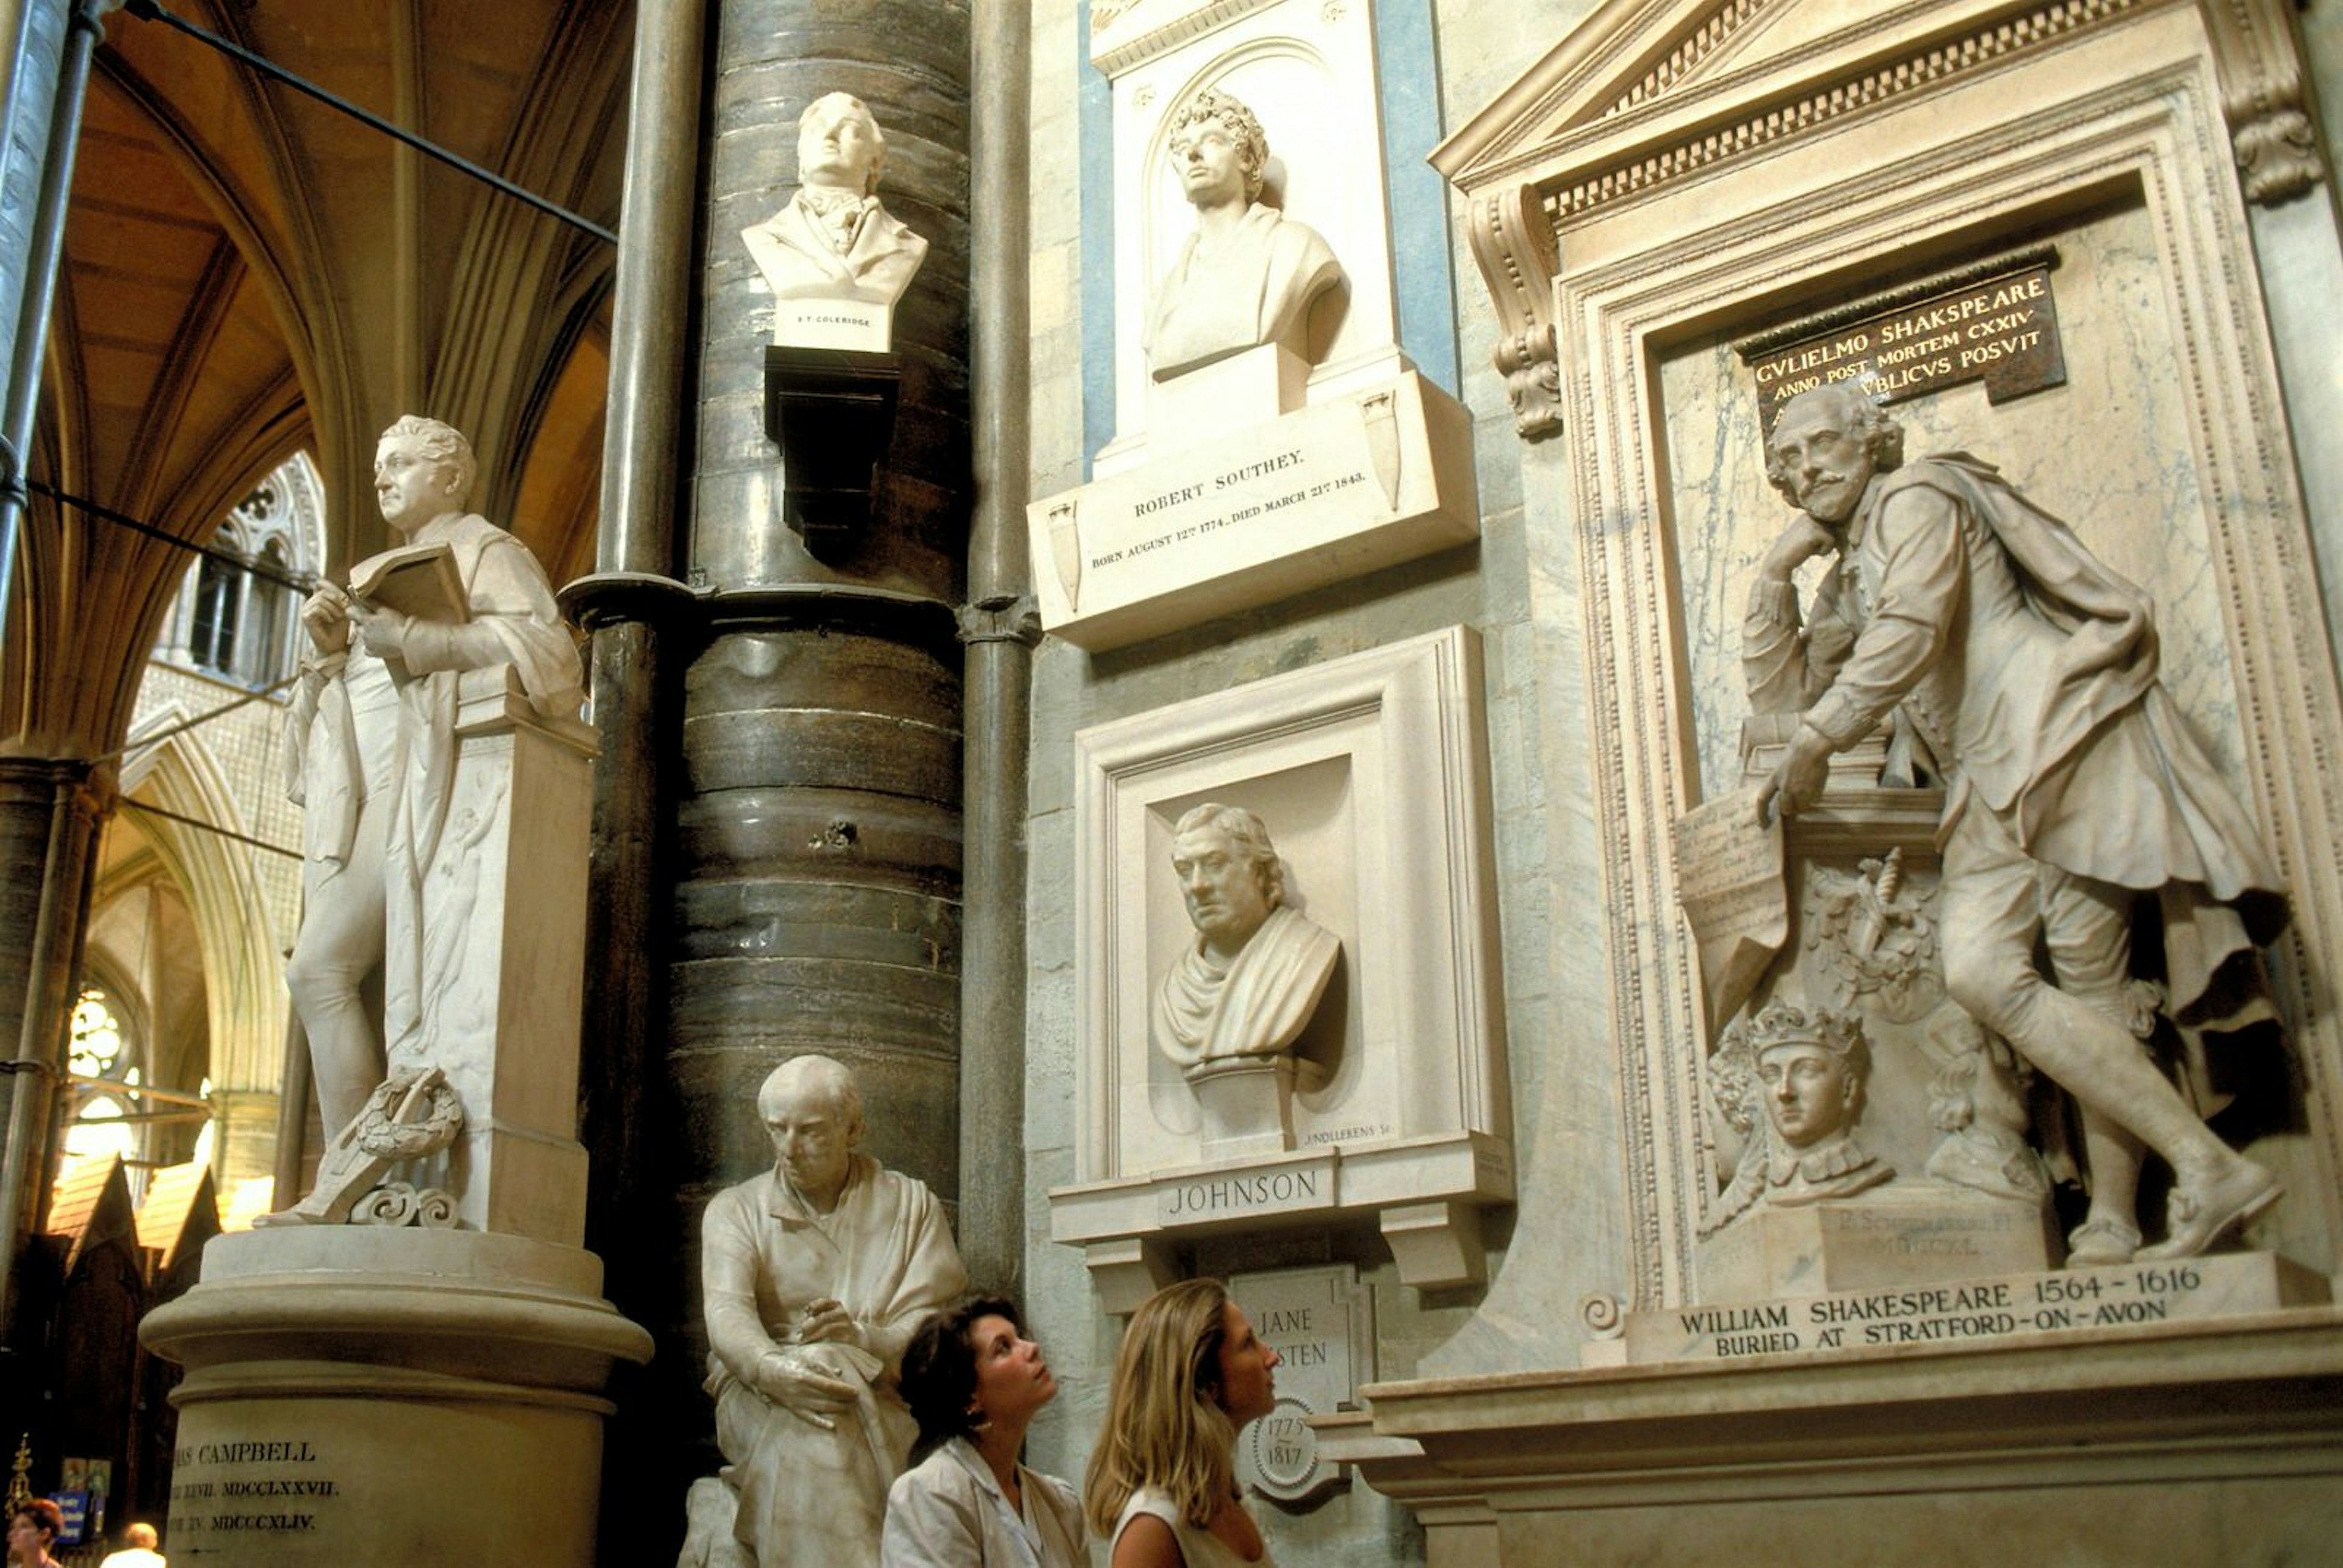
x=248, y=272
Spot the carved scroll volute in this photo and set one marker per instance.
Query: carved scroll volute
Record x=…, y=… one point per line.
x=1515, y=244
x=2254, y=52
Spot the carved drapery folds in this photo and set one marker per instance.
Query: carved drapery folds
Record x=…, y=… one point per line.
x=2262, y=98
x=1512, y=239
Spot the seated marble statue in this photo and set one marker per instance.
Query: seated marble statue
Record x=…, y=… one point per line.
x=370, y=749
x=834, y=240
x=816, y=1274
x=1249, y=983
x=1248, y=275
x=1808, y=1075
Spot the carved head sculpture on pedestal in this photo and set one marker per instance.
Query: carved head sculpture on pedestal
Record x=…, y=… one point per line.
x=1805, y=1073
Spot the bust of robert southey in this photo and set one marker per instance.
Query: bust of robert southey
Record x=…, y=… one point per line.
x=1247, y=275
x=834, y=241
x=1250, y=982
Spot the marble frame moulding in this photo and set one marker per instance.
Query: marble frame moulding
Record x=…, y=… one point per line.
x=1893, y=144
x=1372, y=773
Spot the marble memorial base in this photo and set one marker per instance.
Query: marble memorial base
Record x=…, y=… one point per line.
x=1247, y=1103
x=1886, y=1312
x=1274, y=506
x=355, y=1394
x=2209, y=1442
x=1906, y=1232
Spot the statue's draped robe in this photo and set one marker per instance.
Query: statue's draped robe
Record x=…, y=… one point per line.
x=1254, y=1005
x=1253, y=286
x=799, y=259
x=2028, y=670
x=811, y=1497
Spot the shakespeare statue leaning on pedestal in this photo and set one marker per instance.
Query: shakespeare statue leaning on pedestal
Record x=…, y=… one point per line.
x=2075, y=797
x=1248, y=275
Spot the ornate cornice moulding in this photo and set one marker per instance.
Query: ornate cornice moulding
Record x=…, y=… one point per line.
x=1640, y=97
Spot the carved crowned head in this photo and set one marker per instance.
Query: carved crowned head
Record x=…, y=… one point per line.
x=839, y=146
x=1228, y=873
x=1218, y=149
x=1807, y=1072
x=1827, y=446
x=422, y=469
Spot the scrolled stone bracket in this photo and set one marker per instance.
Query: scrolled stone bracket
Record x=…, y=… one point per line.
x=2262, y=98
x=1514, y=244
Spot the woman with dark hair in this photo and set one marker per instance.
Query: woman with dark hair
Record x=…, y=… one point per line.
x=974, y=1383
x=34, y=1526
x=1162, y=1485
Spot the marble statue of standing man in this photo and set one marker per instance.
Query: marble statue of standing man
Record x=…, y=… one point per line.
x=1248, y=275
x=834, y=241
x=2074, y=795
x=370, y=752
x=1249, y=983
x=815, y=1274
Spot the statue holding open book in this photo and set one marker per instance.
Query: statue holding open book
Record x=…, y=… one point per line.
x=372, y=749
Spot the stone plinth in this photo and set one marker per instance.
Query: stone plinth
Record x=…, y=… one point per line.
x=368, y=1395
x=2211, y=1442
x=1425, y=1194
x=1905, y=1234
x=1325, y=493
x=1978, y=1308
x=504, y=913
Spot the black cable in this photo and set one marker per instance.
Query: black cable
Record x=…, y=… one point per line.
x=150, y=11
x=145, y=809
x=299, y=582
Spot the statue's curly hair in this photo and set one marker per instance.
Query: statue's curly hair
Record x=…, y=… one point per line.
x=1242, y=126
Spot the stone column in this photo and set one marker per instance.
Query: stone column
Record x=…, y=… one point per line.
x=48, y=828
x=816, y=906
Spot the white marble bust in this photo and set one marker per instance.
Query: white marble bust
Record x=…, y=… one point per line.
x=1248, y=275
x=1249, y=983
x=834, y=241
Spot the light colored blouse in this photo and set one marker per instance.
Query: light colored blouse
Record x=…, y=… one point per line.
x=1198, y=1547
x=951, y=1513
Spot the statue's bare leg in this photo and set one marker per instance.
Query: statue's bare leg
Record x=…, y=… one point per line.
x=1993, y=909
x=339, y=945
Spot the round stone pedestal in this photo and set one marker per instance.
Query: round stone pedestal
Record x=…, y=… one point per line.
x=364, y=1395
x=1247, y=1103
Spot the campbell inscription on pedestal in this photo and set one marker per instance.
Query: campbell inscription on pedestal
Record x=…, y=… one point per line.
x=230, y=1498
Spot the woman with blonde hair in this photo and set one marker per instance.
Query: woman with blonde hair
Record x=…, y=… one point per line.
x=1162, y=1485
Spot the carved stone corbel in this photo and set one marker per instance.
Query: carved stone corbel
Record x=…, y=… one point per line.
x=1515, y=244
x=2261, y=93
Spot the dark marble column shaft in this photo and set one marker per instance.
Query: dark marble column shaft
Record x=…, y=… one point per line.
x=816, y=869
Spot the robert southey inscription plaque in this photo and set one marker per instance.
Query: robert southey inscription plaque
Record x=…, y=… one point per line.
x=2001, y=329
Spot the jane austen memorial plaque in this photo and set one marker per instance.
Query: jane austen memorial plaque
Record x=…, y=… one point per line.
x=2003, y=329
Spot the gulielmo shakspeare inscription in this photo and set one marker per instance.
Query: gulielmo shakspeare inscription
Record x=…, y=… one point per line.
x=2002, y=329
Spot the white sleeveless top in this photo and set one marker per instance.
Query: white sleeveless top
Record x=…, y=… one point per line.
x=1198, y=1547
